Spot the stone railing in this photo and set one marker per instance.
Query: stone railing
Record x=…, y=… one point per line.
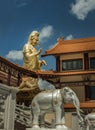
x=23, y=115
x=7, y=107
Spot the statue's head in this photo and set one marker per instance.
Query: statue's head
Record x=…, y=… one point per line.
x=33, y=37
x=34, y=33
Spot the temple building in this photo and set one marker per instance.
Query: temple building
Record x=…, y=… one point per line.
x=75, y=64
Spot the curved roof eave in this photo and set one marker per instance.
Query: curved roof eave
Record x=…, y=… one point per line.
x=71, y=46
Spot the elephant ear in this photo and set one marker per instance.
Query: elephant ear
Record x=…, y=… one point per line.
x=66, y=93
x=69, y=98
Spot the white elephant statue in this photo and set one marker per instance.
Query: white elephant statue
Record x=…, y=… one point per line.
x=54, y=100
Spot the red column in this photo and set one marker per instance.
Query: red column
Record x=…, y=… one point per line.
x=57, y=63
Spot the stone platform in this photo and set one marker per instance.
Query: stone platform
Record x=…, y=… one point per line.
x=58, y=128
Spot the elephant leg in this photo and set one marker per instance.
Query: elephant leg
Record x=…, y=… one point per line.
x=62, y=114
x=60, y=120
x=42, y=120
x=36, y=114
x=59, y=115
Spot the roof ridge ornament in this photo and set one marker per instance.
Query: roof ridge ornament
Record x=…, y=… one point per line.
x=60, y=39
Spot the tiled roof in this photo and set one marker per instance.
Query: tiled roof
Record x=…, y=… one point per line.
x=72, y=46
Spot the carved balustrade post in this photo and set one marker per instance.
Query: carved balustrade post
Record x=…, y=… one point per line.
x=9, y=105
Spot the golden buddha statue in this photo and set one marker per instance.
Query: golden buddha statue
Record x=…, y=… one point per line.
x=31, y=55
x=31, y=61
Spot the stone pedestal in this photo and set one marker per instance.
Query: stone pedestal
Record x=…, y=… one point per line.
x=58, y=128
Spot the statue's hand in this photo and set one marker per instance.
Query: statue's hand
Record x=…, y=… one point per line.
x=44, y=62
x=39, y=51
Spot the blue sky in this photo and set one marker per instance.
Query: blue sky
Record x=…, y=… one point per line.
x=52, y=18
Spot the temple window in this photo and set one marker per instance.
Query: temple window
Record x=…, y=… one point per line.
x=92, y=92
x=75, y=64
x=92, y=62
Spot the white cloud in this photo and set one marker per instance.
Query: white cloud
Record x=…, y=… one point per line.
x=45, y=33
x=69, y=37
x=20, y=3
x=81, y=8
x=15, y=55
